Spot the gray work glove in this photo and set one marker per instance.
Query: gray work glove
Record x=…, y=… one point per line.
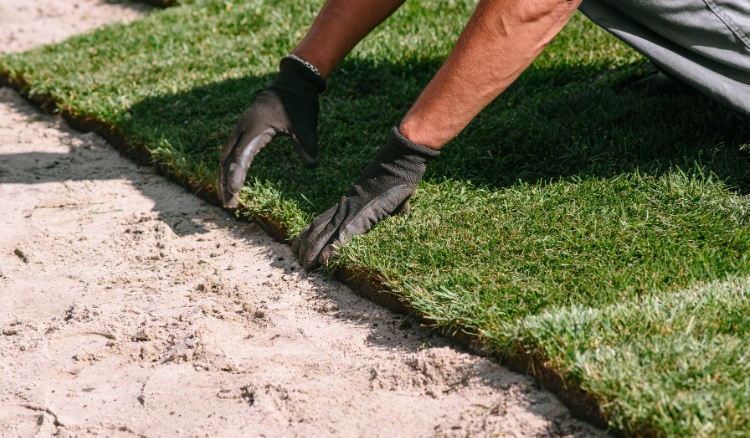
x=383, y=189
x=288, y=107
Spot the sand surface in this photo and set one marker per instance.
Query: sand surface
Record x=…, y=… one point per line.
x=130, y=307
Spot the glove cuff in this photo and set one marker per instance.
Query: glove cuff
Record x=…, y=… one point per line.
x=301, y=68
x=403, y=142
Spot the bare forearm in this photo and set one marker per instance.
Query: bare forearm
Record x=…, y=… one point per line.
x=501, y=40
x=339, y=26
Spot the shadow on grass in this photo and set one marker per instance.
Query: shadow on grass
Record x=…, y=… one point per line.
x=550, y=124
x=139, y=6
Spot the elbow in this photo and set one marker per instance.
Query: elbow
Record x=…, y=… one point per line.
x=546, y=11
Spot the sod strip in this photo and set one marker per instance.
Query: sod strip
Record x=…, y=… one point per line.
x=569, y=190
x=673, y=364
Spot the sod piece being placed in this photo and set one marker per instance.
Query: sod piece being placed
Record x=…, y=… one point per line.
x=571, y=194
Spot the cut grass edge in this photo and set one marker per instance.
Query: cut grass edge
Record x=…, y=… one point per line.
x=364, y=283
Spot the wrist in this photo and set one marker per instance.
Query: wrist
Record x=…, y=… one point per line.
x=415, y=132
x=305, y=69
x=314, y=58
x=405, y=143
x=305, y=63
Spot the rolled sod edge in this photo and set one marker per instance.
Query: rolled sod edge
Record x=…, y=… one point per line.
x=365, y=284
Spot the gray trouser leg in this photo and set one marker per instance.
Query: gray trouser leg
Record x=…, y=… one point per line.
x=704, y=43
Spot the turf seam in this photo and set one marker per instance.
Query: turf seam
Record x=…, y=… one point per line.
x=365, y=284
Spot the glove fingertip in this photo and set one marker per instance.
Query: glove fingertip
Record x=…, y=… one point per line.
x=403, y=209
x=310, y=253
x=311, y=164
x=232, y=202
x=309, y=161
x=234, y=182
x=296, y=243
x=325, y=254
x=308, y=263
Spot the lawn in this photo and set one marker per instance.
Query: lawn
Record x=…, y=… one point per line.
x=575, y=219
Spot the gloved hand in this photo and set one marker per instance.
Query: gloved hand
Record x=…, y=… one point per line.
x=288, y=107
x=383, y=189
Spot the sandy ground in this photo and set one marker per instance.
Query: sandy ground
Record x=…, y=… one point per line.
x=130, y=307
x=25, y=24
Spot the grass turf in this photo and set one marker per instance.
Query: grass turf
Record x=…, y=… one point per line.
x=667, y=364
x=567, y=197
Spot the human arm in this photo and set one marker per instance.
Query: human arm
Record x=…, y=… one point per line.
x=502, y=38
